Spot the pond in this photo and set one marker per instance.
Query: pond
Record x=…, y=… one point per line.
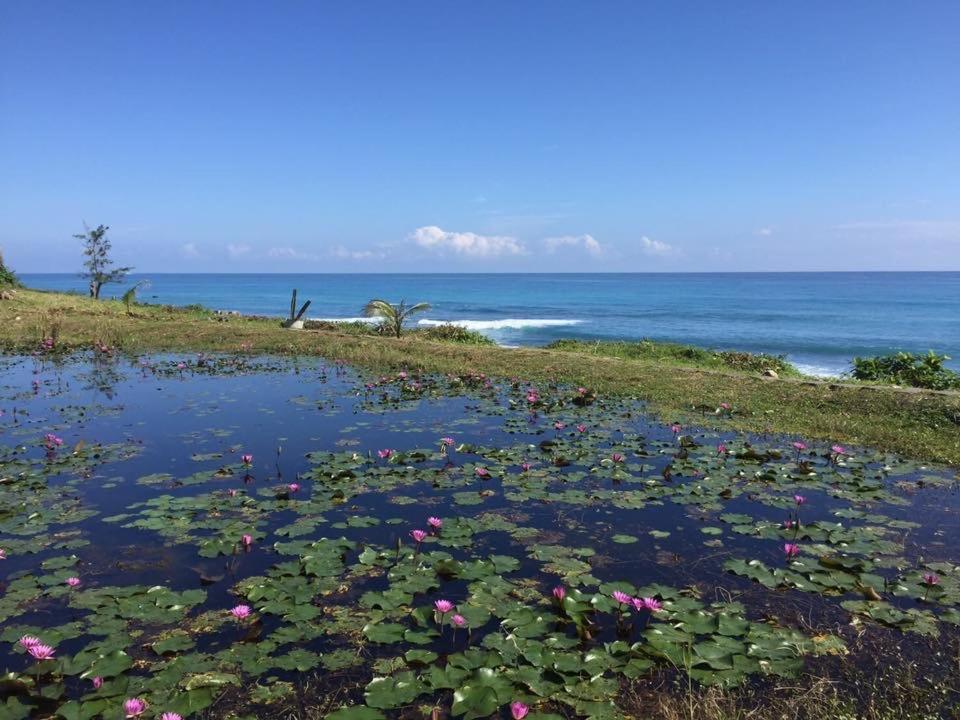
x=238, y=536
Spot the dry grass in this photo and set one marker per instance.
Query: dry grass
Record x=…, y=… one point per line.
x=919, y=424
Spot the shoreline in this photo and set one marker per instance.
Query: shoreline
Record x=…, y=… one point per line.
x=916, y=423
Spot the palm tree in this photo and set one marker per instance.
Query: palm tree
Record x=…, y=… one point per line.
x=393, y=316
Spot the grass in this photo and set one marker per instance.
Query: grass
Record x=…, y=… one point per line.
x=916, y=423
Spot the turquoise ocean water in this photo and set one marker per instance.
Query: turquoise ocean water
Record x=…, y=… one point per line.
x=819, y=320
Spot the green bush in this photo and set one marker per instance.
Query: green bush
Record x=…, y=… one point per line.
x=7, y=276
x=922, y=371
x=453, y=334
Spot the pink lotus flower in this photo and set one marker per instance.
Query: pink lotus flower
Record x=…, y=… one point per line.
x=458, y=621
x=675, y=429
x=482, y=472
x=418, y=535
x=443, y=606
x=617, y=458
x=171, y=716
x=931, y=579
x=246, y=540
x=622, y=597
x=41, y=652
x=241, y=612
x=799, y=446
x=447, y=441
x=73, y=581
x=134, y=707
x=29, y=641
x=581, y=428
x=791, y=550
x=799, y=499
x=518, y=710
x=246, y=459
x=559, y=425
x=97, y=682
x=559, y=592
x=652, y=604
x=293, y=487
x=385, y=454
x=435, y=522
x=838, y=450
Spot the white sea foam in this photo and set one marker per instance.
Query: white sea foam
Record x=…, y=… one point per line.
x=505, y=324
x=816, y=371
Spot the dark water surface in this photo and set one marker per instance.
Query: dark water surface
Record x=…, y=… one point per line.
x=147, y=499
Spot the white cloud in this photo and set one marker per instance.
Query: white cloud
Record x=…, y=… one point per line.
x=466, y=243
x=656, y=248
x=345, y=254
x=765, y=232
x=587, y=242
x=289, y=253
x=189, y=250
x=235, y=251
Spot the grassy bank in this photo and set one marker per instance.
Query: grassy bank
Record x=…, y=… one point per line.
x=918, y=424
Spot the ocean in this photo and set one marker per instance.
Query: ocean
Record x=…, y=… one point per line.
x=818, y=320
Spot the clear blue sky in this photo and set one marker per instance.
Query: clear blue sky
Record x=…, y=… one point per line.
x=399, y=136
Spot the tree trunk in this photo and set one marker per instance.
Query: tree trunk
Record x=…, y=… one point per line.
x=95, y=289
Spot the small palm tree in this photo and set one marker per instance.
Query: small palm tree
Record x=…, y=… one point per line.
x=393, y=316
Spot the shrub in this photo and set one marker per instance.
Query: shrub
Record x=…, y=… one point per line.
x=902, y=368
x=7, y=276
x=454, y=334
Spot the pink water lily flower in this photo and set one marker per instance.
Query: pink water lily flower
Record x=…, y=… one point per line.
x=532, y=398
x=418, y=535
x=931, y=579
x=447, y=441
x=581, y=391
x=724, y=406
x=3, y=554
x=675, y=429
x=246, y=540
x=52, y=441
x=791, y=550
x=73, y=581
x=293, y=487
x=559, y=592
x=458, y=621
x=622, y=597
x=838, y=450
x=385, y=454
x=241, y=612
x=134, y=707
x=435, y=522
x=171, y=716
x=721, y=449
x=581, y=427
x=97, y=682
x=617, y=457
x=482, y=472
x=799, y=499
x=41, y=652
x=443, y=606
x=799, y=446
x=246, y=459
x=29, y=641
x=652, y=604
x=518, y=710
x=559, y=425
x=788, y=524
x=525, y=466
x=232, y=492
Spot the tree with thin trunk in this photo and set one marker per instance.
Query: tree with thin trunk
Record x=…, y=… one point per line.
x=393, y=316
x=100, y=270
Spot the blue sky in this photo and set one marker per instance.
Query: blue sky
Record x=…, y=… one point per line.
x=376, y=136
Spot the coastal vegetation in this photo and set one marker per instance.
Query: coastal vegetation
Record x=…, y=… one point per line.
x=921, y=371
x=914, y=422
x=98, y=264
x=7, y=277
x=680, y=354
x=393, y=316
